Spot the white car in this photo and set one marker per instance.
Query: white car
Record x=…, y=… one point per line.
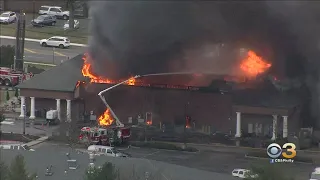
x=54, y=11
x=243, y=173
x=8, y=17
x=56, y=41
x=15, y=147
x=105, y=150
x=76, y=25
x=315, y=175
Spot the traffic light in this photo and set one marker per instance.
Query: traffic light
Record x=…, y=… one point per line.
x=149, y=118
x=188, y=121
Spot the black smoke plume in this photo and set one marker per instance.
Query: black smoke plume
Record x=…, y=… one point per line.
x=141, y=37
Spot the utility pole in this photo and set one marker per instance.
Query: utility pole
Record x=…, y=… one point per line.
x=53, y=49
x=19, y=46
x=34, y=9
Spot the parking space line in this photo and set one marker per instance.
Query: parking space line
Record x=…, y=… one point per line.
x=59, y=54
x=30, y=51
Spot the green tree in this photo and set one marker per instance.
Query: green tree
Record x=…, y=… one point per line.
x=18, y=170
x=107, y=172
x=268, y=172
x=7, y=56
x=7, y=96
x=3, y=171
x=16, y=93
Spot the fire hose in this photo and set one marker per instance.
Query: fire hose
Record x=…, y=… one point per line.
x=123, y=82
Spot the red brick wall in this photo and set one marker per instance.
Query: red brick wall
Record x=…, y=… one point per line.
x=166, y=105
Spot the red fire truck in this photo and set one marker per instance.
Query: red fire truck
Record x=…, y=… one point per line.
x=103, y=135
x=106, y=134
x=9, y=77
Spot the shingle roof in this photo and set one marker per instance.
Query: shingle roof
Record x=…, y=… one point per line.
x=63, y=77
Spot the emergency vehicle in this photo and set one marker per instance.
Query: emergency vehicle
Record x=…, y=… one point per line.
x=103, y=135
x=10, y=77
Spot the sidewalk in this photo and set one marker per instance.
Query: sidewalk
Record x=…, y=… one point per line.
x=37, y=141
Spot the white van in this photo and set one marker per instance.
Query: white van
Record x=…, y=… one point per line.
x=243, y=173
x=105, y=150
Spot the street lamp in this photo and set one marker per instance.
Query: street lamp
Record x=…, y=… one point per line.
x=24, y=118
x=34, y=9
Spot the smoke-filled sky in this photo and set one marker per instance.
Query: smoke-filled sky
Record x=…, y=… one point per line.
x=139, y=37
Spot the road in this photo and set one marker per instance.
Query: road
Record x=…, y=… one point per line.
x=47, y=55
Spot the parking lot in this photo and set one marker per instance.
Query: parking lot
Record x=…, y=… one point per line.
x=222, y=163
x=60, y=22
x=77, y=36
x=54, y=154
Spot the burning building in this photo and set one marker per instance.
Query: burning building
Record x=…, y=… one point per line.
x=261, y=89
x=222, y=102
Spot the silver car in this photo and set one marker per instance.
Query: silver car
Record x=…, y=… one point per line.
x=8, y=17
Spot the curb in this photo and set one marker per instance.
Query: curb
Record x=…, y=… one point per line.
x=38, y=40
x=217, y=145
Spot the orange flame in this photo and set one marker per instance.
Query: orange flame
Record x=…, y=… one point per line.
x=87, y=72
x=253, y=65
x=105, y=119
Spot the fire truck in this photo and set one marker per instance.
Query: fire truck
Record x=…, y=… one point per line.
x=10, y=77
x=106, y=135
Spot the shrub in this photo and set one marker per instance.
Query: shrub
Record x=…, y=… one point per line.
x=3, y=171
x=18, y=170
x=109, y=172
x=106, y=172
x=268, y=172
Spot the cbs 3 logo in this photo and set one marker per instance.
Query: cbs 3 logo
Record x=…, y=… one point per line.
x=274, y=150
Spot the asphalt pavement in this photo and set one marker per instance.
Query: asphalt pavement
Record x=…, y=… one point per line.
x=218, y=163
x=47, y=55
x=55, y=155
